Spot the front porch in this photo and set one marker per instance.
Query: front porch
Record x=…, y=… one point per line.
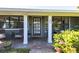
x=35, y=31
x=36, y=45
x=18, y=43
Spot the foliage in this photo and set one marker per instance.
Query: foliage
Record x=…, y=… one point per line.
x=7, y=44
x=68, y=41
x=22, y=50
x=15, y=50
x=6, y=48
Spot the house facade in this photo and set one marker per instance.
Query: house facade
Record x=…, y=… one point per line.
x=29, y=23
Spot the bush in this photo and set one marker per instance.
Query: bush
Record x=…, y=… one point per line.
x=6, y=48
x=15, y=50
x=22, y=50
x=68, y=41
x=7, y=44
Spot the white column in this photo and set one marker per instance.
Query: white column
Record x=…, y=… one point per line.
x=25, y=41
x=49, y=29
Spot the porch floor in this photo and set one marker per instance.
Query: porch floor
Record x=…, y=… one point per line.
x=18, y=43
x=39, y=45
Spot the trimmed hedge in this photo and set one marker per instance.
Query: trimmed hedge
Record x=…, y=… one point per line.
x=22, y=50
x=15, y=50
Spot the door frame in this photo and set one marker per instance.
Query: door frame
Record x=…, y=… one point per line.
x=33, y=25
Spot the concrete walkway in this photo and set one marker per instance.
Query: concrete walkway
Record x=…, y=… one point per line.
x=40, y=46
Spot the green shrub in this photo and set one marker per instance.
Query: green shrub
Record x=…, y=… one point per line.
x=68, y=41
x=6, y=48
x=15, y=50
x=18, y=50
x=22, y=50
x=7, y=44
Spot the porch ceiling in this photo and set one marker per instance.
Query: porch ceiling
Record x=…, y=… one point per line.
x=53, y=14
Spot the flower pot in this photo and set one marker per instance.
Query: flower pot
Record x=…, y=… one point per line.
x=58, y=50
x=61, y=42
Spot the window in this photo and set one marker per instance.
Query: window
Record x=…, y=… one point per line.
x=57, y=23
x=74, y=23
x=60, y=23
x=45, y=24
x=11, y=24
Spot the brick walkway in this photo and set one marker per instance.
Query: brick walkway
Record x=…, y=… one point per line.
x=40, y=46
x=36, y=45
x=41, y=50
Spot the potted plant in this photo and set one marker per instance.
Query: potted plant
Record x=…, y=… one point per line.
x=59, y=46
x=68, y=41
x=58, y=43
